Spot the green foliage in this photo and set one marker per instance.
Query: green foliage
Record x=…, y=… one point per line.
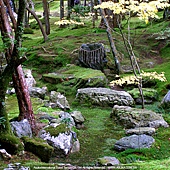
x=28, y=31
x=79, y=11
x=54, y=131
x=2, y=121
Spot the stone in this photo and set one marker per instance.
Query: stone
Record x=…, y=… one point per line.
x=107, y=161
x=134, y=142
x=68, y=119
x=38, y=92
x=16, y=166
x=29, y=78
x=4, y=155
x=77, y=116
x=59, y=100
x=21, y=128
x=104, y=97
x=134, y=117
x=76, y=80
x=76, y=146
x=165, y=103
x=38, y=147
x=60, y=138
x=141, y=130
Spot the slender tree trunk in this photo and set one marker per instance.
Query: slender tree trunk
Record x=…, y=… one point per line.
x=61, y=9
x=46, y=17
x=112, y=44
x=39, y=23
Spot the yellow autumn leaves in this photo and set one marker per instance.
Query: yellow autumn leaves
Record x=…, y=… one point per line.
x=135, y=80
x=144, y=10
x=68, y=22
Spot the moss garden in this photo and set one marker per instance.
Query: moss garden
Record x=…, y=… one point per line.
x=100, y=132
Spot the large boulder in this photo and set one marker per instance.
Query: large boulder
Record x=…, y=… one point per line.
x=21, y=128
x=60, y=138
x=134, y=142
x=74, y=77
x=104, y=97
x=38, y=147
x=134, y=117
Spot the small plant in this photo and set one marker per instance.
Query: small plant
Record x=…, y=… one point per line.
x=2, y=121
x=133, y=80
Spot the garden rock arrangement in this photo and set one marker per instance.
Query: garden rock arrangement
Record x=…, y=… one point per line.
x=104, y=97
x=134, y=142
x=133, y=117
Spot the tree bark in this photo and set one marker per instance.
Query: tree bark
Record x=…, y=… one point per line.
x=39, y=23
x=61, y=9
x=24, y=100
x=112, y=44
x=13, y=64
x=46, y=17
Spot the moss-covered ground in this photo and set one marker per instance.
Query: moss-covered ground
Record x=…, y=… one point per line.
x=100, y=133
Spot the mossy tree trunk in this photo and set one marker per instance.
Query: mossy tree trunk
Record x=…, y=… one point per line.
x=7, y=140
x=13, y=60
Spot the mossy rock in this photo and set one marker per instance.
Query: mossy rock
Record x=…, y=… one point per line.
x=75, y=77
x=55, y=131
x=11, y=143
x=38, y=147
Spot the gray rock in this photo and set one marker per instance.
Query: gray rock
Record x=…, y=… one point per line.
x=67, y=118
x=141, y=130
x=77, y=116
x=134, y=117
x=4, y=155
x=76, y=146
x=16, y=166
x=134, y=142
x=104, y=97
x=38, y=92
x=166, y=100
x=59, y=100
x=29, y=78
x=62, y=143
x=107, y=161
x=21, y=128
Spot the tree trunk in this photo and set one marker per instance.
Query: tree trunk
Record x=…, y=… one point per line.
x=24, y=100
x=7, y=140
x=112, y=44
x=61, y=9
x=46, y=17
x=39, y=23
x=13, y=63
x=111, y=18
